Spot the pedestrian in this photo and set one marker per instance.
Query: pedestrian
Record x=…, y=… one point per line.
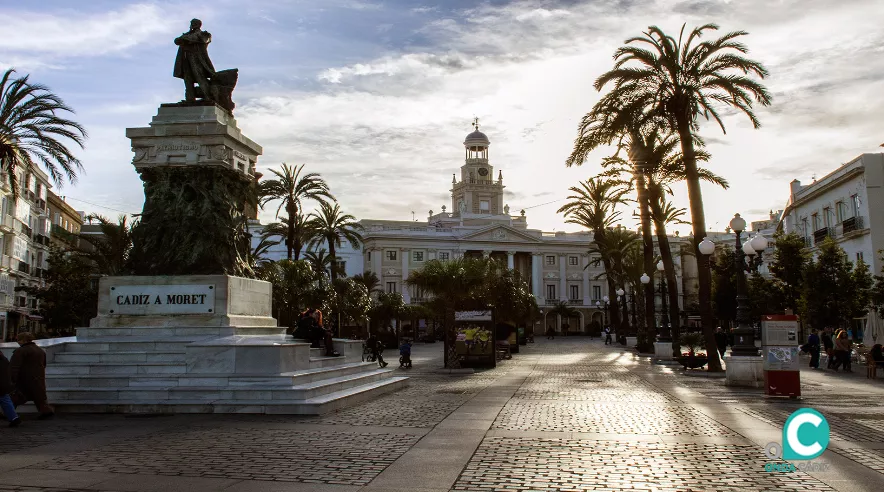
x=28, y=374
x=608, y=336
x=325, y=334
x=405, y=354
x=813, y=346
x=550, y=333
x=6, y=405
x=828, y=346
x=842, y=351
x=721, y=340
x=374, y=345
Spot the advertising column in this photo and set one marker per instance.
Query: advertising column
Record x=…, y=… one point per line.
x=779, y=346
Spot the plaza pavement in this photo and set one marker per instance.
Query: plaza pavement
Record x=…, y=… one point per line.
x=568, y=414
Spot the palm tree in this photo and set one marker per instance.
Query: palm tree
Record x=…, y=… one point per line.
x=291, y=188
x=678, y=81
x=320, y=261
x=109, y=250
x=593, y=206
x=295, y=231
x=455, y=284
x=330, y=225
x=369, y=279
x=295, y=287
x=258, y=253
x=565, y=311
x=32, y=130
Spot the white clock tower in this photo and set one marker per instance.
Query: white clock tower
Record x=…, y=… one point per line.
x=477, y=193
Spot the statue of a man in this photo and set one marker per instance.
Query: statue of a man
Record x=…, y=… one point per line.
x=192, y=63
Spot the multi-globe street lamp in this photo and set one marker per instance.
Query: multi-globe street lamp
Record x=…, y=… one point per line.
x=645, y=280
x=624, y=323
x=744, y=334
x=665, y=335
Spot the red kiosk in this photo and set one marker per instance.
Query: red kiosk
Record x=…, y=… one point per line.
x=779, y=345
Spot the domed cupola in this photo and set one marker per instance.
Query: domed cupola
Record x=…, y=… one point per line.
x=476, y=143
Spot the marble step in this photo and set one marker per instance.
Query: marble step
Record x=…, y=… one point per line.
x=129, y=344
x=258, y=392
x=318, y=362
x=314, y=406
x=196, y=332
x=127, y=356
x=206, y=379
x=116, y=368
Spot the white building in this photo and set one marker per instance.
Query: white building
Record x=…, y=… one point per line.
x=556, y=265
x=24, y=249
x=846, y=205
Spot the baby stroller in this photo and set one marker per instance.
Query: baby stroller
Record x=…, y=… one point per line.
x=405, y=355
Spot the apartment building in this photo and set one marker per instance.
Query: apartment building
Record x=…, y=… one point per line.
x=25, y=229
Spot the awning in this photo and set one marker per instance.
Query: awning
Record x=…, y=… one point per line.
x=34, y=317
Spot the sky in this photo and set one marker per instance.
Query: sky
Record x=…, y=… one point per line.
x=377, y=96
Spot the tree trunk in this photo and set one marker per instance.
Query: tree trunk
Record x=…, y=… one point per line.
x=648, y=253
x=668, y=263
x=615, y=321
x=698, y=220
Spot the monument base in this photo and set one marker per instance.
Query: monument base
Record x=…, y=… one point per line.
x=631, y=342
x=745, y=371
x=202, y=344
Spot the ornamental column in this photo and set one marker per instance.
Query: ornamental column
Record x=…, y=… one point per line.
x=563, y=278
x=586, y=293
x=536, y=274
x=377, y=256
x=510, y=260
x=406, y=295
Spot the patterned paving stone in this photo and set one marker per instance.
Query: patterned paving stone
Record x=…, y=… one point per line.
x=595, y=386
x=871, y=458
x=566, y=465
x=648, y=418
x=33, y=433
x=258, y=454
x=842, y=428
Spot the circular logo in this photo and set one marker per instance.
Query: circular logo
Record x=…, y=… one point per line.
x=805, y=435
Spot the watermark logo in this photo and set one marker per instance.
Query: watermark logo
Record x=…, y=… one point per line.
x=805, y=437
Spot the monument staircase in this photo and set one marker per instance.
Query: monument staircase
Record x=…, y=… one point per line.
x=228, y=362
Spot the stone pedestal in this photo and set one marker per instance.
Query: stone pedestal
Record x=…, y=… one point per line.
x=745, y=371
x=631, y=342
x=663, y=350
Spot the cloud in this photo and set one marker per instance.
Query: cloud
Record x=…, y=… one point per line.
x=71, y=33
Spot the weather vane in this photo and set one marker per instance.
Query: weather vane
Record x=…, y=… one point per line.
x=476, y=123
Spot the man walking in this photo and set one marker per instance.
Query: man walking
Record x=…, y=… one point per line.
x=813, y=346
x=6, y=405
x=828, y=346
x=608, y=335
x=28, y=374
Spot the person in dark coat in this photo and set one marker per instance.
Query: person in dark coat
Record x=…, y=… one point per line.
x=374, y=344
x=828, y=346
x=721, y=340
x=28, y=374
x=813, y=346
x=6, y=405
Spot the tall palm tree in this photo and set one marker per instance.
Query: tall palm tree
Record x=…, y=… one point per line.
x=32, y=130
x=565, y=311
x=291, y=188
x=678, y=81
x=593, y=205
x=109, y=250
x=320, y=261
x=258, y=253
x=330, y=225
x=295, y=231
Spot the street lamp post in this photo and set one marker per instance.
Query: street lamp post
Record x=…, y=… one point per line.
x=645, y=280
x=632, y=304
x=621, y=294
x=665, y=334
x=744, y=334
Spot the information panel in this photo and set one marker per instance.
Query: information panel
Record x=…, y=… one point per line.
x=162, y=299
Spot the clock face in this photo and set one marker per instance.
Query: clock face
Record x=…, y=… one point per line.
x=483, y=171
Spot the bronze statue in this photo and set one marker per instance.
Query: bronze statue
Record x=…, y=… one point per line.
x=194, y=66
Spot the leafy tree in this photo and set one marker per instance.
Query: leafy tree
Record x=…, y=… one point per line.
x=724, y=285
x=369, y=279
x=69, y=299
x=565, y=311
x=676, y=82
x=765, y=296
x=32, y=130
x=831, y=289
x=292, y=188
x=861, y=285
x=791, y=258
x=295, y=288
x=351, y=302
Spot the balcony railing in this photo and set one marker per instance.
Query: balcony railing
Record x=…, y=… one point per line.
x=820, y=234
x=852, y=224
x=575, y=302
x=24, y=267
x=41, y=239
